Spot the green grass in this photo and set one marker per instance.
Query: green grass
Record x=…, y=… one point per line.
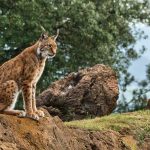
x=137, y=122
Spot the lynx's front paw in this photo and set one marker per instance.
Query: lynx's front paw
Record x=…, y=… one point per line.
x=33, y=116
x=40, y=113
x=22, y=114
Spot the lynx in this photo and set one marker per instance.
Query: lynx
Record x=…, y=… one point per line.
x=21, y=74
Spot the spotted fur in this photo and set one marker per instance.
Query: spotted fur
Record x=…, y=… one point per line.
x=21, y=74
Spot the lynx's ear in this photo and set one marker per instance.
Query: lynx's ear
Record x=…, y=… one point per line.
x=55, y=36
x=44, y=36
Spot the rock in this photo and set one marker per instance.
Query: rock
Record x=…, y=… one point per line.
x=51, y=134
x=89, y=92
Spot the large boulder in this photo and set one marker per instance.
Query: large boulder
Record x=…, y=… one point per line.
x=89, y=92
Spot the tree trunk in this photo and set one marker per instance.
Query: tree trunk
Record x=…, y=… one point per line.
x=148, y=104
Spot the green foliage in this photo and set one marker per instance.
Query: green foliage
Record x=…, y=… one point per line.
x=90, y=32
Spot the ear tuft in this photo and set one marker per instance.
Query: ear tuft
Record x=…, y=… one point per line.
x=44, y=36
x=55, y=37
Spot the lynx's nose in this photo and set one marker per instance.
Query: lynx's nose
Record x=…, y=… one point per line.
x=52, y=53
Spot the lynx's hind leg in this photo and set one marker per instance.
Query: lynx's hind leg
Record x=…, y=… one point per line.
x=10, y=94
x=18, y=113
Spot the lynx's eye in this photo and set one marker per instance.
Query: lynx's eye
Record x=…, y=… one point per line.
x=42, y=49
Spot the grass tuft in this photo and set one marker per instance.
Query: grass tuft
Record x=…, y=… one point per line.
x=137, y=122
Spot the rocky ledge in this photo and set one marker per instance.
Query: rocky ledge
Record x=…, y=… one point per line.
x=50, y=133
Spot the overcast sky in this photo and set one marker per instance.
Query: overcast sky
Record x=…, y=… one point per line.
x=138, y=67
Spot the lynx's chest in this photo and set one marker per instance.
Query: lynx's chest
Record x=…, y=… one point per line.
x=39, y=71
